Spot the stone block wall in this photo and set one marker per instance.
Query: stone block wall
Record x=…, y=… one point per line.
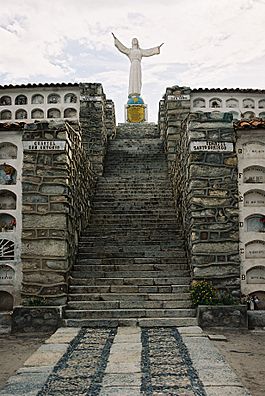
x=202, y=165
x=110, y=118
x=93, y=119
x=57, y=184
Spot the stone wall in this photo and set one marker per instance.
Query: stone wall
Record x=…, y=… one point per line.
x=93, y=118
x=58, y=182
x=203, y=168
x=110, y=118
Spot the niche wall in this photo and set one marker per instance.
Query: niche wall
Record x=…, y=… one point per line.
x=251, y=180
x=10, y=218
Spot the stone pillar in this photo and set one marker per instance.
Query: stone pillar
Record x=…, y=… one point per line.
x=57, y=183
x=110, y=118
x=208, y=168
x=93, y=123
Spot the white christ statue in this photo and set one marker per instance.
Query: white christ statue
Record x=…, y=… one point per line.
x=135, y=55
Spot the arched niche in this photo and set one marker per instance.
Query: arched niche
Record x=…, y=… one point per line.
x=8, y=200
x=7, y=275
x=199, y=102
x=8, y=174
x=261, y=104
x=7, y=222
x=21, y=114
x=8, y=150
x=37, y=113
x=5, y=100
x=70, y=98
x=254, y=149
x=261, y=296
x=6, y=301
x=37, y=99
x=21, y=100
x=254, y=174
x=254, y=198
x=248, y=103
x=54, y=98
x=70, y=113
x=6, y=115
x=232, y=103
x=256, y=275
x=255, y=249
x=54, y=113
x=215, y=103
x=262, y=114
x=255, y=223
x=7, y=250
x=249, y=115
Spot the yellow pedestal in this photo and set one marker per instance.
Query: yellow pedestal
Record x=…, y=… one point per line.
x=136, y=113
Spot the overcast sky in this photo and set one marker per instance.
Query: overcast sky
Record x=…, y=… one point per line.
x=208, y=43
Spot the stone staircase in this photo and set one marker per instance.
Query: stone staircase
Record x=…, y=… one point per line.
x=132, y=266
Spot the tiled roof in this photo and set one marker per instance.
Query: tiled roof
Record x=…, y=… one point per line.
x=250, y=124
x=228, y=90
x=40, y=85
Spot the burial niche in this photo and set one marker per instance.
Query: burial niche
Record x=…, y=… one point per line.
x=232, y=103
x=199, y=102
x=54, y=98
x=21, y=114
x=249, y=115
x=255, y=249
x=7, y=222
x=37, y=113
x=5, y=100
x=8, y=200
x=8, y=174
x=6, y=275
x=54, y=113
x=7, y=250
x=6, y=301
x=70, y=113
x=215, y=103
x=256, y=274
x=37, y=99
x=256, y=223
x=254, y=198
x=70, y=98
x=6, y=115
x=248, y=104
x=21, y=100
x=253, y=149
x=261, y=104
x=8, y=150
x=254, y=174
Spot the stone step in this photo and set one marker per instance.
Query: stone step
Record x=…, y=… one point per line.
x=185, y=296
x=128, y=313
x=131, y=254
x=86, y=281
x=128, y=275
x=121, y=289
x=117, y=243
x=181, y=258
x=132, y=269
x=146, y=322
x=127, y=304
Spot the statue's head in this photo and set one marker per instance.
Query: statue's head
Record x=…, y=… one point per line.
x=135, y=43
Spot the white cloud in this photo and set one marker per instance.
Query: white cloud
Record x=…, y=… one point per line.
x=218, y=41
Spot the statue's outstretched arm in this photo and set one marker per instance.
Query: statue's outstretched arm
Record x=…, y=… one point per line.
x=120, y=46
x=151, y=51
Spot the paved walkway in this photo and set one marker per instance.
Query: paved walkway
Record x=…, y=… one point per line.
x=128, y=361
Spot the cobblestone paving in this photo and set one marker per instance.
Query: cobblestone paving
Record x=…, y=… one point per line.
x=81, y=369
x=166, y=365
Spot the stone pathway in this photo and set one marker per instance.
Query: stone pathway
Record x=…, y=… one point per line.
x=128, y=361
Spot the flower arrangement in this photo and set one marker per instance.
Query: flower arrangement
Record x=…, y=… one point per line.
x=203, y=293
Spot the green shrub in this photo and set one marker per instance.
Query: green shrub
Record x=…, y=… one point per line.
x=203, y=293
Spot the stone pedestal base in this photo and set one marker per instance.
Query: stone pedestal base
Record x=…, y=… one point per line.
x=135, y=113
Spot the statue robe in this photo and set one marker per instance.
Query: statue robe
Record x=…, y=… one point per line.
x=135, y=55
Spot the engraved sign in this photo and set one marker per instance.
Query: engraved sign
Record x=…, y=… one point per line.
x=183, y=97
x=256, y=275
x=255, y=249
x=6, y=275
x=254, y=198
x=48, y=145
x=254, y=150
x=211, y=146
